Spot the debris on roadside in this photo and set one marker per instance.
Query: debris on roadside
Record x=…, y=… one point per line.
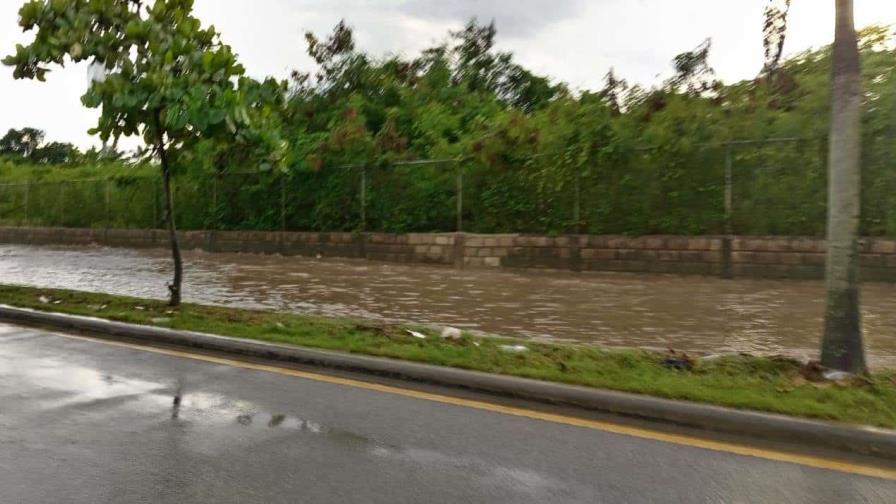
x=813, y=371
x=678, y=360
x=141, y=308
x=45, y=300
x=679, y=363
x=452, y=333
x=514, y=348
x=416, y=334
x=837, y=376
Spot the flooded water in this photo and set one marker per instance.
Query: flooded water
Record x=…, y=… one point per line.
x=688, y=313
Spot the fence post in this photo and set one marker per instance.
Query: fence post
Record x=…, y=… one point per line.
x=27, y=197
x=108, y=203
x=729, y=189
x=577, y=203
x=364, y=198
x=215, y=222
x=282, y=202
x=460, y=200
x=727, y=270
x=61, y=222
x=155, y=205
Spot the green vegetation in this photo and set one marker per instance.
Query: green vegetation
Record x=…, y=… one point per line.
x=27, y=146
x=162, y=76
x=646, y=160
x=767, y=384
x=43, y=195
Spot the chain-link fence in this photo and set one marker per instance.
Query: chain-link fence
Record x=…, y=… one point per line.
x=772, y=186
x=121, y=202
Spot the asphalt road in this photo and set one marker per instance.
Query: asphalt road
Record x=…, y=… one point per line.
x=88, y=422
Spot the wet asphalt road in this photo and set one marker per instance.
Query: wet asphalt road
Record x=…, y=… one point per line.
x=87, y=422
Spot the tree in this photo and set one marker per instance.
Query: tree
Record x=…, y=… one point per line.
x=774, y=33
x=166, y=78
x=480, y=69
x=21, y=143
x=842, y=346
x=614, y=91
x=55, y=153
x=693, y=74
x=341, y=68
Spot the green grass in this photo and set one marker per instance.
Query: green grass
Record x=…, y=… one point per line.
x=764, y=384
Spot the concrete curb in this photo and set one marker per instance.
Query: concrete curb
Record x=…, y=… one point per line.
x=813, y=433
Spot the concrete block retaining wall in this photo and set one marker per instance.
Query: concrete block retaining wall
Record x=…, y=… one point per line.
x=741, y=256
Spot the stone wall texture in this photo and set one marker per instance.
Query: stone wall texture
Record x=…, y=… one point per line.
x=739, y=256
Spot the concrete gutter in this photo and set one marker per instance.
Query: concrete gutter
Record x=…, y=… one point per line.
x=805, y=432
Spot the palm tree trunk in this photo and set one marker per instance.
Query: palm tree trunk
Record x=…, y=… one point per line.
x=174, y=287
x=842, y=346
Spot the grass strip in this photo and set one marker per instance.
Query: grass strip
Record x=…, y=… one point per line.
x=777, y=385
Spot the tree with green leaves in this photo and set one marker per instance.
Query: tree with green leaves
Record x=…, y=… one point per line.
x=21, y=143
x=167, y=79
x=55, y=153
x=479, y=68
x=842, y=344
x=693, y=74
x=27, y=145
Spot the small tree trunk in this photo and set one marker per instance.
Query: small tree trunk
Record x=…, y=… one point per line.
x=842, y=346
x=174, y=287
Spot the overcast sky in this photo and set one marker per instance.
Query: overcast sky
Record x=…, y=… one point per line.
x=575, y=41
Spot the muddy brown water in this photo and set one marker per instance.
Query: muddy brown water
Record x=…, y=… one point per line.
x=689, y=313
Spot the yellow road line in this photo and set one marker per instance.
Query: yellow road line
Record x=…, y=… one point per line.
x=637, y=432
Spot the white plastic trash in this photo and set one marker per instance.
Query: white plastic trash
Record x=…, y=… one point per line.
x=416, y=334
x=837, y=375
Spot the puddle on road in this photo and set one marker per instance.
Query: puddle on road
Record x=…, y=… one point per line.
x=48, y=386
x=50, y=389
x=59, y=385
x=689, y=313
